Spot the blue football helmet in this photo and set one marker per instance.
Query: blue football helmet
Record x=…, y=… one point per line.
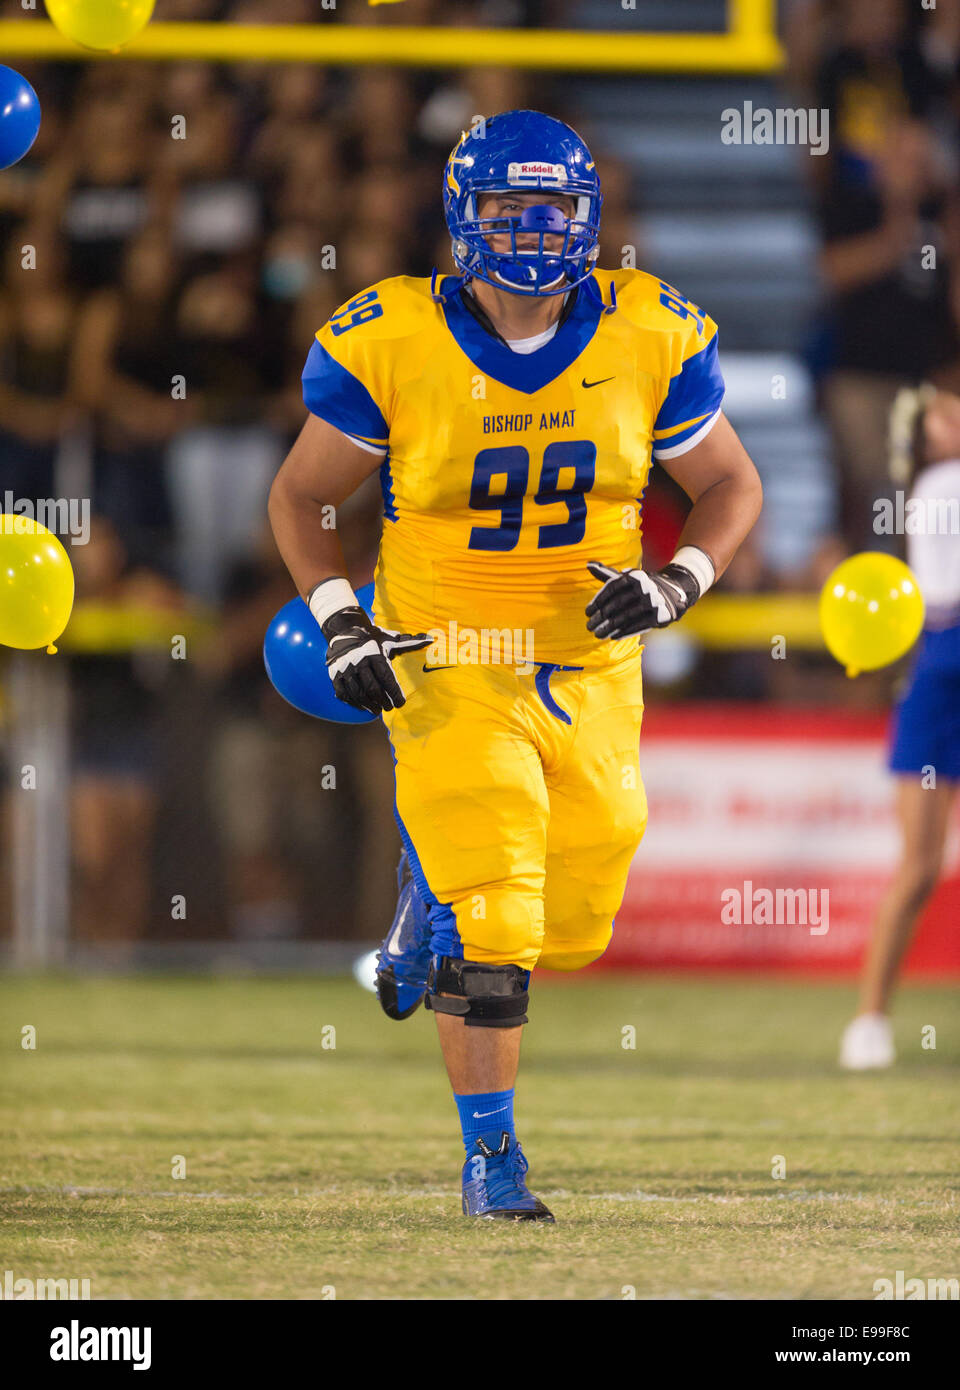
x=523, y=151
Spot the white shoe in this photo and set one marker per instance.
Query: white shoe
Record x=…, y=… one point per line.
x=867, y=1042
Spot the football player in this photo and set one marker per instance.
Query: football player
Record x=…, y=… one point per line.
x=512, y=411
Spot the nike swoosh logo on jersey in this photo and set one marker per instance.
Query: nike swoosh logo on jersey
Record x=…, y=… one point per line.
x=482, y=1114
x=439, y=668
x=587, y=384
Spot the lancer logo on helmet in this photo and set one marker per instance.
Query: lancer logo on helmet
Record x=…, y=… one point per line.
x=534, y=171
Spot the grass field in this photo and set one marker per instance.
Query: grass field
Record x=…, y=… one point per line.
x=311, y=1167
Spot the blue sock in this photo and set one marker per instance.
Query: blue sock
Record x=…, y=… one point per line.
x=485, y=1116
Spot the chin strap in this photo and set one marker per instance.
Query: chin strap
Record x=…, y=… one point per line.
x=441, y=296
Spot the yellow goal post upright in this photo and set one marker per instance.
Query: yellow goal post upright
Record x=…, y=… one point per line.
x=749, y=44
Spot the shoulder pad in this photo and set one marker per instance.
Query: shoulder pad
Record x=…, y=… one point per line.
x=393, y=308
x=654, y=304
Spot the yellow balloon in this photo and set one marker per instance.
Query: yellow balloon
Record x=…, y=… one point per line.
x=105, y=25
x=36, y=584
x=871, y=611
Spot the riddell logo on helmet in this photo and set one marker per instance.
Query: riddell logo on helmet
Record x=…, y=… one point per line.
x=537, y=169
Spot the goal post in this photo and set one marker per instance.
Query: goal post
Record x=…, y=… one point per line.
x=749, y=44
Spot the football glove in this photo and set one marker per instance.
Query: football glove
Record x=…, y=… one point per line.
x=358, y=658
x=634, y=601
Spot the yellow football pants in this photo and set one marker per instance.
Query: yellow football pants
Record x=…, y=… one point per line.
x=520, y=804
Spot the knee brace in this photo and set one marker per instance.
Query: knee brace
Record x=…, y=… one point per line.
x=484, y=996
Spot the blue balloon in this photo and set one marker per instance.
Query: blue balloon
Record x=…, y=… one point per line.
x=295, y=655
x=19, y=116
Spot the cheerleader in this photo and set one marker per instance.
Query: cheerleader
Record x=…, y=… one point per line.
x=924, y=752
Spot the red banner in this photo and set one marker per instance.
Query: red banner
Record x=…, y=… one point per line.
x=771, y=839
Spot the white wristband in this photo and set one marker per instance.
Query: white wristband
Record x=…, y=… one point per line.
x=329, y=596
x=698, y=563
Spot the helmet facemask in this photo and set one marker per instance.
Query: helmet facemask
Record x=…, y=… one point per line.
x=528, y=155
x=537, y=268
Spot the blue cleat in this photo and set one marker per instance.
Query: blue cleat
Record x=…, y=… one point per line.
x=404, y=958
x=494, y=1184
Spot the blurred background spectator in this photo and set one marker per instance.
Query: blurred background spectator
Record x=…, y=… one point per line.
x=116, y=704
x=887, y=211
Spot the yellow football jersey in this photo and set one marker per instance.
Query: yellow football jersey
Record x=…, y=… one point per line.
x=504, y=473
